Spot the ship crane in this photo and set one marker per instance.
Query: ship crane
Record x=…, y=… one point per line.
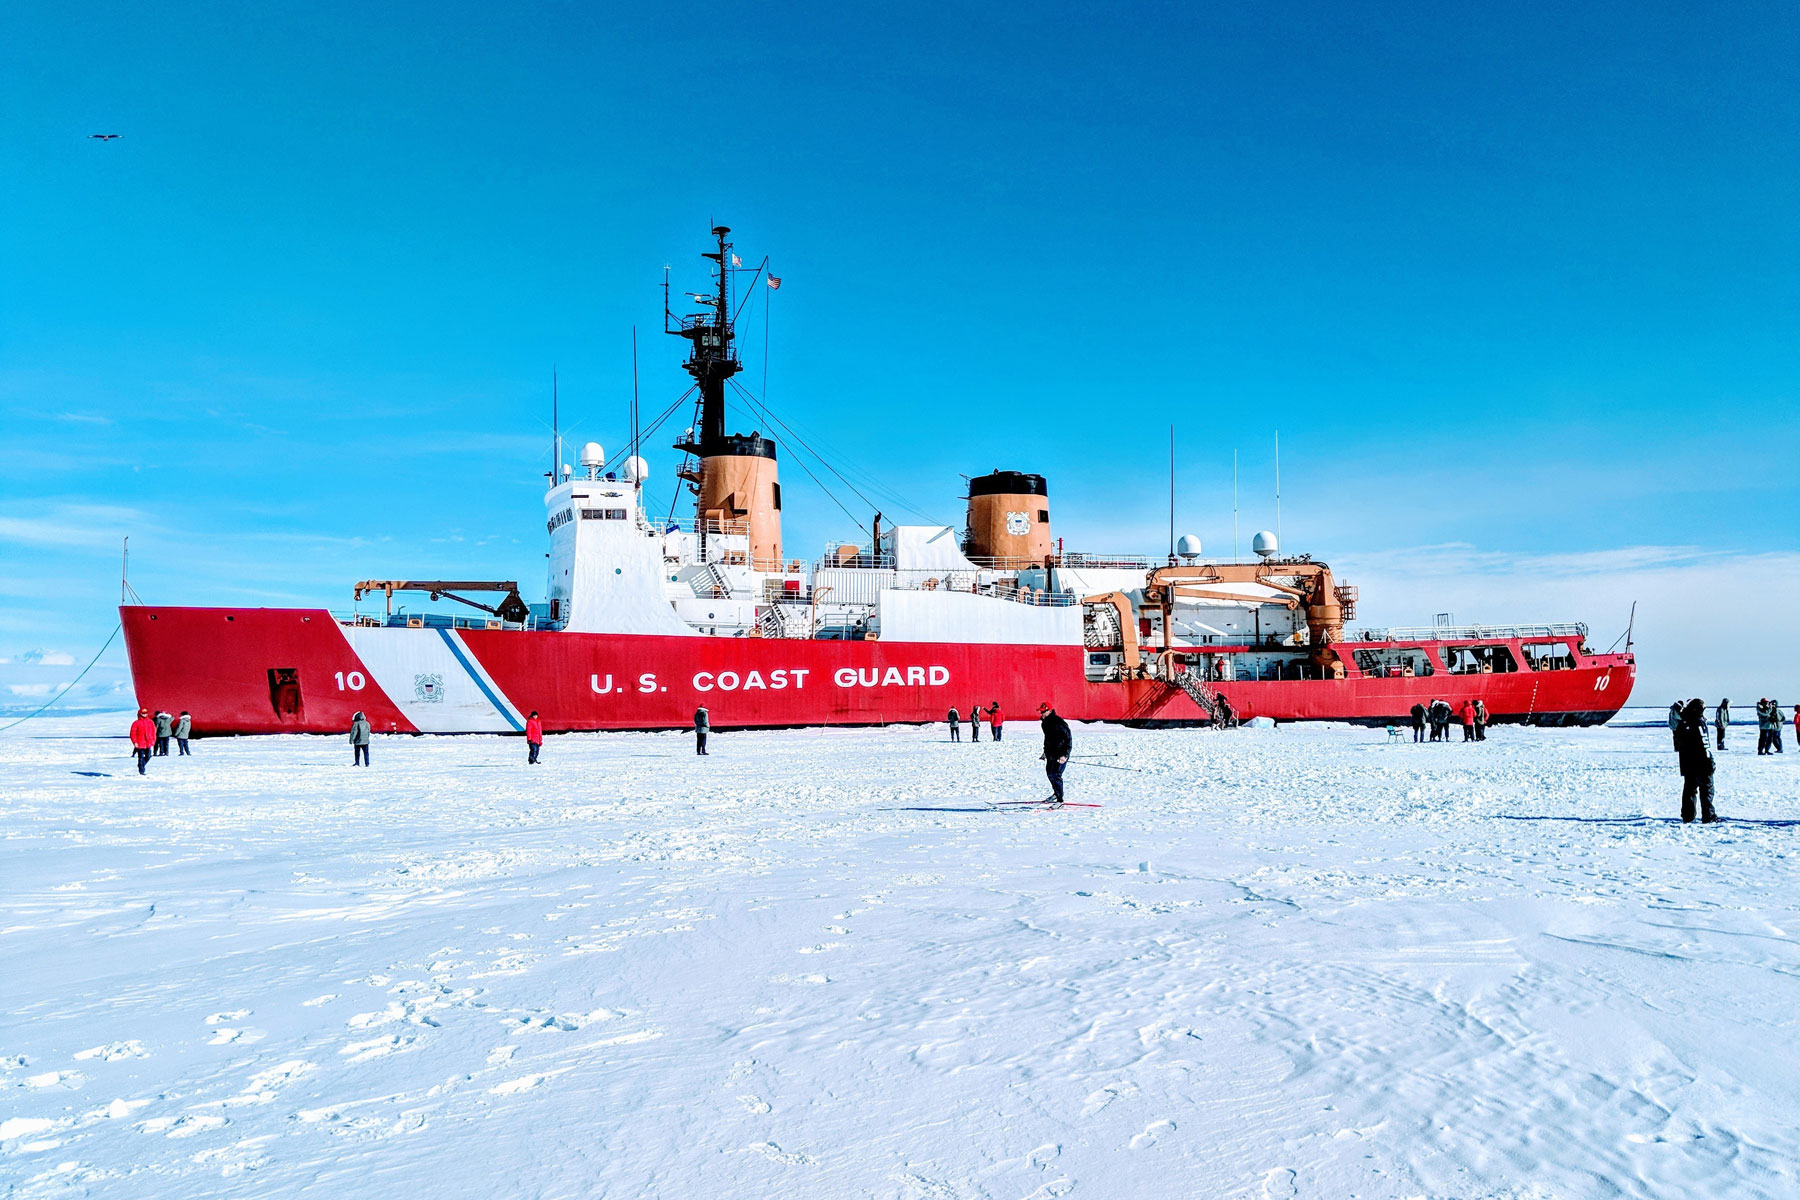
x=512, y=606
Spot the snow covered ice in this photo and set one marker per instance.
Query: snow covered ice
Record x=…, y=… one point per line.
x=1294, y=962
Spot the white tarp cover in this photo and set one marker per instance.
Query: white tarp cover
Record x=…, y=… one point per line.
x=940, y=616
x=925, y=548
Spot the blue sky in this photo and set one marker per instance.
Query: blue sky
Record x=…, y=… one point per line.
x=1518, y=286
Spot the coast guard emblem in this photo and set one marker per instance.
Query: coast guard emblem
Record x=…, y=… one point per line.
x=429, y=688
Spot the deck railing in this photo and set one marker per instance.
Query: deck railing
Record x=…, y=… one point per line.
x=1459, y=633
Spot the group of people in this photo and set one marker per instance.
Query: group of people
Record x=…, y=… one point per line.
x=996, y=722
x=152, y=732
x=1769, y=722
x=1438, y=716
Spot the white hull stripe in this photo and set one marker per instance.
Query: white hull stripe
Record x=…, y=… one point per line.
x=488, y=688
x=430, y=676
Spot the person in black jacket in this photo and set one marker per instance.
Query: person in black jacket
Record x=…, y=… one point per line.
x=1696, y=763
x=702, y=727
x=1418, y=722
x=1058, y=741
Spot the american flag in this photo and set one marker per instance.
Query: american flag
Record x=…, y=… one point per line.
x=774, y=282
x=736, y=261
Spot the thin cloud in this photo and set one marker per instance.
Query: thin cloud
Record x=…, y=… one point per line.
x=73, y=525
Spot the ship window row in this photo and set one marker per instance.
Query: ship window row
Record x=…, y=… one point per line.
x=605, y=514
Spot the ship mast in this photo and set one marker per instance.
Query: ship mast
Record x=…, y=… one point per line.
x=737, y=502
x=712, y=355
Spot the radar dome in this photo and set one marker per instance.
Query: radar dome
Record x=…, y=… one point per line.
x=636, y=469
x=592, y=455
x=1264, y=544
x=1188, y=546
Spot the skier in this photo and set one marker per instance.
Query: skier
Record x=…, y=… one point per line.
x=1467, y=713
x=184, y=725
x=359, y=740
x=534, y=737
x=702, y=727
x=143, y=738
x=1721, y=718
x=1674, y=718
x=955, y=720
x=1695, y=762
x=165, y=728
x=996, y=722
x=1418, y=722
x=975, y=723
x=1481, y=721
x=1058, y=741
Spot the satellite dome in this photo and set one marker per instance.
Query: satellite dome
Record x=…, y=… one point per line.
x=1188, y=547
x=1265, y=544
x=636, y=469
x=592, y=455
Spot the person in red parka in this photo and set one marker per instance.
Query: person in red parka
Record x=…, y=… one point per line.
x=996, y=721
x=534, y=735
x=143, y=738
x=1467, y=712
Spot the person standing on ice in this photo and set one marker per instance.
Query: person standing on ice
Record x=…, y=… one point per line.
x=534, y=737
x=955, y=719
x=1481, y=721
x=702, y=726
x=1776, y=721
x=1467, y=713
x=1762, y=725
x=143, y=738
x=1695, y=762
x=996, y=722
x=359, y=740
x=1418, y=722
x=1721, y=718
x=1058, y=742
x=165, y=727
x=1674, y=721
x=974, y=722
x=184, y=725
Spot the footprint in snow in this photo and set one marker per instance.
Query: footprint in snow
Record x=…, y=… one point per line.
x=219, y=1018
x=1106, y=1095
x=754, y=1104
x=1152, y=1132
x=1044, y=1155
x=183, y=1127
x=1278, y=1184
x=774, y=1153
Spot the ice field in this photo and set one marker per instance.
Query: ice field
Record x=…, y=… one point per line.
x=1294, y=962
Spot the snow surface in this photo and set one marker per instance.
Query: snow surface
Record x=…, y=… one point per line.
x=1291, y=962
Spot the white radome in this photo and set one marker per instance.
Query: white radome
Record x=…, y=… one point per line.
x=1265, y=544
x=1188, y=546
x=592, y=455
x=636, y=470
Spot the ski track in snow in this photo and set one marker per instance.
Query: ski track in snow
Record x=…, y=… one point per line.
x=1277, y=963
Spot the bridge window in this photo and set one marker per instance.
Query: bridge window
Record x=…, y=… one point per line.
x=1479, y=660
x=604, y=514
x=1394, y=663
x=1549, y=656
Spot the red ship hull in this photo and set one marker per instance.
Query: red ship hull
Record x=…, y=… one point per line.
x=239, y=670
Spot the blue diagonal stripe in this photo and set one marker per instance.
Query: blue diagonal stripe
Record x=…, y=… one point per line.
x=479, y=681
